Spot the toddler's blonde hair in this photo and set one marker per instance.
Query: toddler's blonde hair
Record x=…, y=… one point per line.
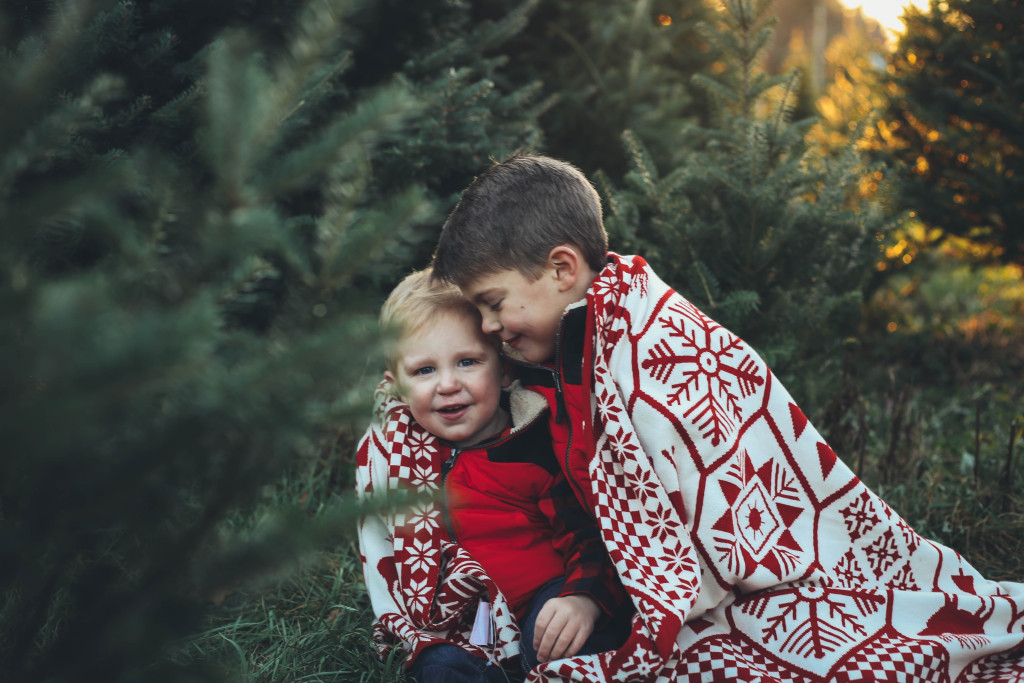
x=416, y=300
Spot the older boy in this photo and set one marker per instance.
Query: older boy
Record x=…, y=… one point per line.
x=751, y=551
x=522, y=538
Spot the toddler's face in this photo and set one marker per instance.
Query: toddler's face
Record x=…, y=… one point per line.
x=451, y=376
x=524, y=313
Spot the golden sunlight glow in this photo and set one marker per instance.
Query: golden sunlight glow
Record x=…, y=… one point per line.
x=885, y=12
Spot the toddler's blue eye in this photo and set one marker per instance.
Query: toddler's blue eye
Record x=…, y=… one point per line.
x=425, y=370
x=466, y=362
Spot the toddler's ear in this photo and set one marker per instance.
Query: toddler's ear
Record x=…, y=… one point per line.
x=506, y=373
x=393, y=387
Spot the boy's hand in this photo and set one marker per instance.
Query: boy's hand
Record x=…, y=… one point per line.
x=563, y=625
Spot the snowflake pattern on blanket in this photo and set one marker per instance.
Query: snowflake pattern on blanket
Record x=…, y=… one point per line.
x=751, y=550
x=424, y=589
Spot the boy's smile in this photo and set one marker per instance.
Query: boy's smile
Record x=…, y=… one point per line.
x=526, y=313
x=451, y=376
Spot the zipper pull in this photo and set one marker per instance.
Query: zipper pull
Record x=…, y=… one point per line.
x=446, y=466
x=559, y=400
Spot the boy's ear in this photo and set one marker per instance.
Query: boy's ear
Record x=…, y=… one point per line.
x=565, y=263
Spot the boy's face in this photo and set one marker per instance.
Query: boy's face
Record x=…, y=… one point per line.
x=525, y=313
x=451, y=376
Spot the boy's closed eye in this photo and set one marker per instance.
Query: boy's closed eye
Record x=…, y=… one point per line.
x=495, y=306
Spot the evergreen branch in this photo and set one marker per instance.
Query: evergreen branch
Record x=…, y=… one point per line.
x=714, y=87
x=607, y=192
x=443, y=56
x=33, y=80
x=702, y=279
x=237, y=107
x=595, y=73
x=173, y=108
x=381, y=112
x=494, y=34
x=340, y=65
x=786, y=104
x=642, y=165
x=345, y=256
x=309, y=45
x=40, y=144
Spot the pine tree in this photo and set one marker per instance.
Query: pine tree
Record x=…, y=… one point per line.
x=453, y=61
x=613, y=65
x=139, y=407
x=854, y=97
x=956, y=123
x=766, y=236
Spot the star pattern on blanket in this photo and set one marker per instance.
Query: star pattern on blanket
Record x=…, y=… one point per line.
x=755, y=530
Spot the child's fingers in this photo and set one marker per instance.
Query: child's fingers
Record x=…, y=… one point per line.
x=573, y=640
x=546, y=635
x=562, y=627
x=562, y=643
x=540, y=626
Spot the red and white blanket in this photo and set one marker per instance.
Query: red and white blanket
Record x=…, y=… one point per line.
x=751, y=551
x=424, y=589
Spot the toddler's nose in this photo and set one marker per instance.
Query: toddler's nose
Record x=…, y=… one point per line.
x=449, y=383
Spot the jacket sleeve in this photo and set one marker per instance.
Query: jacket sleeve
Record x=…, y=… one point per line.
x=588, y=569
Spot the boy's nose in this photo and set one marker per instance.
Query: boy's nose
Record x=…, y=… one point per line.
x=491, y=325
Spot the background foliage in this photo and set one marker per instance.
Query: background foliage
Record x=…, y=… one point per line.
x=202, y=205
x=172, y=329
x=754, y=226
x=956, y=123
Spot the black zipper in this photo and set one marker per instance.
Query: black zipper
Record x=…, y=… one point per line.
x=446, y=467
x=560, y=410
x=449, y=464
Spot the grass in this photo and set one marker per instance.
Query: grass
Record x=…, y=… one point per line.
x=941, y=462
x=314, y=626
x=936, y=429
x=312, y=623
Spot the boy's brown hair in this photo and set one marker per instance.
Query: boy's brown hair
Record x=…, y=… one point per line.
x=416, y=300
x=514, y=214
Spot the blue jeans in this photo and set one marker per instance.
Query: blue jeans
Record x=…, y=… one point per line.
x=451, y=664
